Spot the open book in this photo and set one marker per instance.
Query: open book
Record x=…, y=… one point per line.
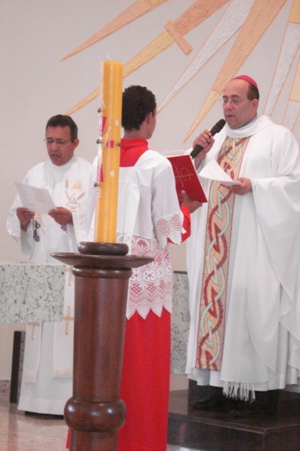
x=186, y=177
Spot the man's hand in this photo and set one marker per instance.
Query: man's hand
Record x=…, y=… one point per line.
x=61, y=215
x=192, y=204
x=244, y=188
x=205, y=140
x=25, y=216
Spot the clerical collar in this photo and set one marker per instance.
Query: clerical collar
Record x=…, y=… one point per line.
x=254, y=126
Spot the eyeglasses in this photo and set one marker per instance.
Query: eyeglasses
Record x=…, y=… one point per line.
x=58, y=142
x=233, y=100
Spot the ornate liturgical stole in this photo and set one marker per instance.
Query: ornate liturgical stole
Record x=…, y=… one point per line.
x=211, y=325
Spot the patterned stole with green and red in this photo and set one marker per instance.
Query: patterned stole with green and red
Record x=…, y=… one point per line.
x=211, y=325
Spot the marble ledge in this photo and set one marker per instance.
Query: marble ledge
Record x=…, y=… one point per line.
x=31, y=292
x=34, y=292
x=180, y=322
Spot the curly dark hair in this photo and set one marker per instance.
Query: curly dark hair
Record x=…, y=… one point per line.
x=61, y=120
x=137, y=102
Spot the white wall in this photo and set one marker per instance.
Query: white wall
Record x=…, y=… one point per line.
x=36, y=34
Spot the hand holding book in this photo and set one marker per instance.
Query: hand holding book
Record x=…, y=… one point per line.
x=191, y=204
x=186, y=178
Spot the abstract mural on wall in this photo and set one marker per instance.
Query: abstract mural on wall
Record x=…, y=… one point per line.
x=289, y=48
x=248, y=19
x=136, y=10
x=174, y=32
x=292, y=111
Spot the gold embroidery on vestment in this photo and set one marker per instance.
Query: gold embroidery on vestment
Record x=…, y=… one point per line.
x=216, y=259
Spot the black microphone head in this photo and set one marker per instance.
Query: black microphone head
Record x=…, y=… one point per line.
x=218, y=127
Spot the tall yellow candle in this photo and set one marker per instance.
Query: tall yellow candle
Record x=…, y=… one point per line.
x=108, y=151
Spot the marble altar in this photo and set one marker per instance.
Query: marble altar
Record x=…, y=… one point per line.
x=34, y=292
x=31, y=292
x=180, y=322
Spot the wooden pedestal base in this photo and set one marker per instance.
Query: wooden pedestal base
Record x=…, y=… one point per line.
x=95, y=412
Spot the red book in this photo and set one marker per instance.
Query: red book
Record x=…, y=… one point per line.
x=186, y=178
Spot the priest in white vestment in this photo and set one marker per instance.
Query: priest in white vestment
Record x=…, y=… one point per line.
x=243, y=257
x=48, y=360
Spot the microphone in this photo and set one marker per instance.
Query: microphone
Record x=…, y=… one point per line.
x=216, y=129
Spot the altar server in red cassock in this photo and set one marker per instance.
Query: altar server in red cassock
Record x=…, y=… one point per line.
x=149, y=216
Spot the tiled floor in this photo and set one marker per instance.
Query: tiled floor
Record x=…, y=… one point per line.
x=20, y=432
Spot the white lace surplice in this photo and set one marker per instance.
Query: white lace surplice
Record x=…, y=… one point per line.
x=142, y=195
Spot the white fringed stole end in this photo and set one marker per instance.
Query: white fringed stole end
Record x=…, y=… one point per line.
x=239, y=390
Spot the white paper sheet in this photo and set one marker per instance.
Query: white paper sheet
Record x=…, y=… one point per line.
x=35, y=199
x=213, y=171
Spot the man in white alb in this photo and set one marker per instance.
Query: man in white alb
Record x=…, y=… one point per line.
x=243, y=257
x=47, y=370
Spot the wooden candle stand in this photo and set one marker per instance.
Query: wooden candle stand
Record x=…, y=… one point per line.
x=95, y=412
